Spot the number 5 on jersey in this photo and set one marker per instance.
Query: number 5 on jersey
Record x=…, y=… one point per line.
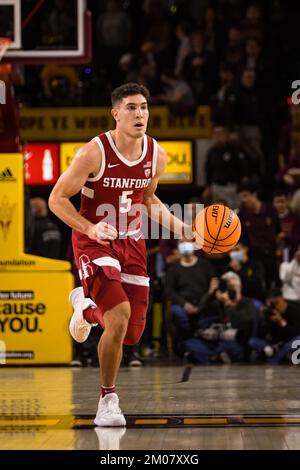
x=125, y=202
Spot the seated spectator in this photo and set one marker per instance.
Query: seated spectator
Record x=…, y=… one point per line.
x=219, y=262
x=169, y=251
x=289, y=272
x=113, y=37
x=198, y=69
x=289, y=140
x=289, y=237
x=226, y=331
x=222, y=103
x=241, y=150
x=253, y=60
x=295, y=203
x=238, y=315
x=178, y=95
x=292, y=176
x=46, y=239
x=184, y=46
x=58, y=26
x=187, y=282
x=113, y=27
x=252, y=54
x=59, y=83
x=249, y=116
x=213, y=30
x=252, y=25
x=250, y=271
x=157, y=24
x=127, y=68
x=201, y=343
x=260, y=227
x=146, y=74
x=168, y=247
x=279, y=328
x=234, y=50
x=225, y=168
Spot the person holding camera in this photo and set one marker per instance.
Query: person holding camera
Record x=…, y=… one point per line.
x=231, y=325
x=278, y=329
x=237, y=314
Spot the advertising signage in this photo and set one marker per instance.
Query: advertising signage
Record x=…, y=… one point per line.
x=41, y=162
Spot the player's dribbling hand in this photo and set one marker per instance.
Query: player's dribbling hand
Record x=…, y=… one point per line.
x=103, y=233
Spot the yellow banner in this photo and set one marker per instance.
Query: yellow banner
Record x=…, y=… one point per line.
x=34, y=318
x=180, y=162
x=34, y=308
x=61, y=124
x=12, y=256
x=67, y=153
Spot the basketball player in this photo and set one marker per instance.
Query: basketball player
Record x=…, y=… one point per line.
x=117, y=172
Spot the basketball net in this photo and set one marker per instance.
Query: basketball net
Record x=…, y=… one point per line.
x=5, y=69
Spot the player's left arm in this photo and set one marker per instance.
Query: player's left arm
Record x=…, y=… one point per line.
x=155, y=208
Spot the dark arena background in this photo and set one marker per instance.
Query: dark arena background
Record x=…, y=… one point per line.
x=217, y=367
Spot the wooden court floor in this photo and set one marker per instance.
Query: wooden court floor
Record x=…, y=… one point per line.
x=218, y=407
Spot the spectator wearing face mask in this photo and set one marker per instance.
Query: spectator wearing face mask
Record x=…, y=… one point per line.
x=168, y=247
x=250, y=272
x=187, y=282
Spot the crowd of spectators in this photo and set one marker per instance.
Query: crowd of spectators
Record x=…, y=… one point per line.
x=239, y=58
x=236, y=56
x=241, y=306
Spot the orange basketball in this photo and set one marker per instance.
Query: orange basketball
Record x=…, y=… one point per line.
x=217, y=229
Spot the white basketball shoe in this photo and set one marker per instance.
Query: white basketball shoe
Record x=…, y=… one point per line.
x=80, y=328
x=109, y=413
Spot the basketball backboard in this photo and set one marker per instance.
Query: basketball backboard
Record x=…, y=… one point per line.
x=46, y=30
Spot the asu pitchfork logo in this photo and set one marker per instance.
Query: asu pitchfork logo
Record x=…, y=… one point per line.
x=6, y=215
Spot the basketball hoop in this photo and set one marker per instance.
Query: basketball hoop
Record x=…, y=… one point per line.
x=5, y=42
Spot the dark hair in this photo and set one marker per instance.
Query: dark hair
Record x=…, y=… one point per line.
x=281, y=192
x=128, y=89
x=249, y=186
x=253, y=38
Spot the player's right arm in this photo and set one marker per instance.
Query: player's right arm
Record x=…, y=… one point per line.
x=86, y=162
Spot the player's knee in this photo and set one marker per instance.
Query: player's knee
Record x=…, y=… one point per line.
x=137, y=322
x=116, y=321
x=134, y=334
